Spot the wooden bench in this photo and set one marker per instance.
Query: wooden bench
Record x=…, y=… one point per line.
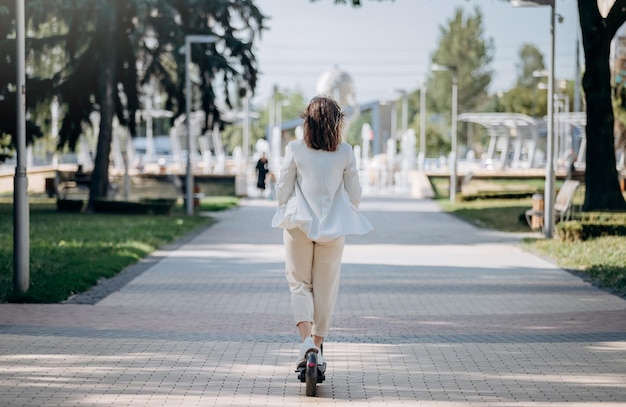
x=562, y=205
x=66, y=181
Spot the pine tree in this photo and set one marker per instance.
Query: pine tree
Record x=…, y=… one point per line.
x=115, y=46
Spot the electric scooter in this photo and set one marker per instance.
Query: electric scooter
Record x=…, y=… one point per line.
x=311, y=373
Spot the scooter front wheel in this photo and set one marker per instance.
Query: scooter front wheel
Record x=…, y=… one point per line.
x=311, y=374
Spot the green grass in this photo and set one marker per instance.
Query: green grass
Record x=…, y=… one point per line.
x=502, y=214
x=217, y=203
x=71, y=252
x=602, y=260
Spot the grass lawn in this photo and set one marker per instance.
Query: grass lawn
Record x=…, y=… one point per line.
x=601, y=260
x=502, y=214
x=71, y=252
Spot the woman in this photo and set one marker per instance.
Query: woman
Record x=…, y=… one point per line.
x=318, y=194
x=262, y=168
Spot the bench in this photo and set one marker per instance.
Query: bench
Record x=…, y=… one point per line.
x=66, y=181
x=562, y=205
x=462, y=182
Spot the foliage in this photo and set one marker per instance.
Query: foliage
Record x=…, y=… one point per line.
x=526, y=97
x=148, y=42
x=217, y=203
x=529, y=101
x=584, y=230
x=603, y=259
x=530, y=61
x=597, y=33
x=461, y=45
x=70, y=252
x=481, y=195
x=114, y=47
x=501, y=214
x=8, y=97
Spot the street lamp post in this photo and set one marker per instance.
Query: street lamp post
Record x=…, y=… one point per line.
x=21, y=218
x=189, y=39
x=405, y=110
x=276, y=136
x=548, y=224
x=453, y=136
x=422, y=154
x=246, y=128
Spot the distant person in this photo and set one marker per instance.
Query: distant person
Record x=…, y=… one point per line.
x=318, y=193
x=262, y=168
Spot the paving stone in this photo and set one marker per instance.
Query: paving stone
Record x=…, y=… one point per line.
x=432, y=312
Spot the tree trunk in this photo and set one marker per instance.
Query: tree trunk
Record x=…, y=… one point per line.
x=602, y=190
x=106, y=100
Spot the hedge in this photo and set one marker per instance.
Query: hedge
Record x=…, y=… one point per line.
x=593, y=224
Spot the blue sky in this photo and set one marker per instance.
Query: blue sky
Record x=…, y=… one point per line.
x=387, y=45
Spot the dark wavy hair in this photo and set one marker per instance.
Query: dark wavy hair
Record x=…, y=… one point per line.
x=323, y=124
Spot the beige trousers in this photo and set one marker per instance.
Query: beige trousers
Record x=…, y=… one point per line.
x=312, y=269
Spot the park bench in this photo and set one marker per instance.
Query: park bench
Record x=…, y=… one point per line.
x=64, y=182
x=562, y=206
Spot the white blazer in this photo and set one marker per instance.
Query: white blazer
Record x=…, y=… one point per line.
x=319, y=192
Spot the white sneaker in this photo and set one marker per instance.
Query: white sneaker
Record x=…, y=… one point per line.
x=306, y=347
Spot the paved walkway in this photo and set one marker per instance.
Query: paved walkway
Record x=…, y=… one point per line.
x=432, y=312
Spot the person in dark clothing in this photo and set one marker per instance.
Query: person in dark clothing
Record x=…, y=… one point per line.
x=262, y=168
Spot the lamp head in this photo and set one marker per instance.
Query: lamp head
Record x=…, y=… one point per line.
x=439, y=68
x=532, y=3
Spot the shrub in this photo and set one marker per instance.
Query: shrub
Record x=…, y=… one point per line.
x=70, y=205
x=498, y=195
x=159, y=206
x=121, y=207
x=583, y=230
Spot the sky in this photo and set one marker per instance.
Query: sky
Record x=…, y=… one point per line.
x=387, y=46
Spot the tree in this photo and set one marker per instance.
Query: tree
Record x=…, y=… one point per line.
x=602, y=190
x=461, y=45
x=114, y=46
x=525, y=97
x=530, y=61
x=8, y=98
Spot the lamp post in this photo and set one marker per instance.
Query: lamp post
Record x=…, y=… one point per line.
x=548, y=224
x=21, y=218
x=422, y=154
x=453, y=136
x=245, y=95
x=276, y=136
x=189, y=39
x=405, y=110
x=279, y=112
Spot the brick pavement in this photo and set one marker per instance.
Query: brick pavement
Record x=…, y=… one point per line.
x=432, y=312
